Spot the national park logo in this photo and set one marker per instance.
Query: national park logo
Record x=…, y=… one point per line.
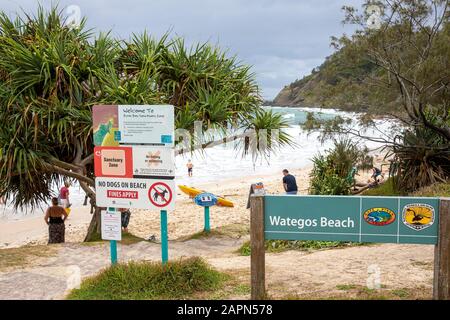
x=418, y=216
x=379, y=216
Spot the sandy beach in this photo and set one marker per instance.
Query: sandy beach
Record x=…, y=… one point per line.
x=306, y=275
x=186, y=220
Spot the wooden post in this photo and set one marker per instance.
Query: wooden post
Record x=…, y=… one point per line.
x=258, y=267
x=441, y=284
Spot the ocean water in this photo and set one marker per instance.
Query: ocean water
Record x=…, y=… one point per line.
x=226, y=162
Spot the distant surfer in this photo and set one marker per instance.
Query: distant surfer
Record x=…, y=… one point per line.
x=189, y=166
x=289, y=183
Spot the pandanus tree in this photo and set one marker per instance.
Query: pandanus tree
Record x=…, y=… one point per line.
x=51, y=75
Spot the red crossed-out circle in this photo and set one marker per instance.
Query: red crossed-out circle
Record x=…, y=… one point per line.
x=166, y=200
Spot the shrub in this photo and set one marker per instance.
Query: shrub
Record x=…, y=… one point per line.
x=330, y=174
x=421, y=158
x=145, y=280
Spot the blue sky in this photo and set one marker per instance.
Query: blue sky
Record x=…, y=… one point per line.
x=282, y=39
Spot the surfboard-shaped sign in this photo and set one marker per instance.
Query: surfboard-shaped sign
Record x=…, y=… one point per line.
x=205, y=199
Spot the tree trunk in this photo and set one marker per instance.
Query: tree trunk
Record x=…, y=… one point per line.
x=94, y=230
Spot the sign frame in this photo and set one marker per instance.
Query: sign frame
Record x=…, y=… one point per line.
x=441, y=283
x=131, y=193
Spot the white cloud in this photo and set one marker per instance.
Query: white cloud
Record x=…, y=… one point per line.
x=282, y=39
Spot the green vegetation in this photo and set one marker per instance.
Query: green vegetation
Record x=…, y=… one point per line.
x=385, y=189
x=22, y=256
x=358, y=292
x=400, y=70
x=242, y=289
x=276, y=246
x=435, y=190
x=232, y=231
x=388, y=189
x=332, y=173
x=143, y=280
x=127, y=239
x=52, y=74
x=421, y=159
x=371, y=69
x=345, y=286
x=341, y=81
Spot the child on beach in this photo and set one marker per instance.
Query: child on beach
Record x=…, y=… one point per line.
x=64, y=195
x=189, y=166
x=54, y=218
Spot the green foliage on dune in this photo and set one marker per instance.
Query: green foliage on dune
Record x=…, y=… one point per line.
x=144, y=280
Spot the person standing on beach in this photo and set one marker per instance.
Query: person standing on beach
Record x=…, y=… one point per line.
x=54, y=218
x=64, y=195
x=351, y=177
x=189, y=166
x=289, y=183
x=125, y=218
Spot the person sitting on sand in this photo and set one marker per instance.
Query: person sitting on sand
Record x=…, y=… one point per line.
x=289, y=183
x=189, y=166
x=54, y=218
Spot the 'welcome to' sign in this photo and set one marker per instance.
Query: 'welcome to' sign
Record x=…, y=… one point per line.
x=356, y=219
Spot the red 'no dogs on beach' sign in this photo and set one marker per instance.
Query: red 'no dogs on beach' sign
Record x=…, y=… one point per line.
x=160, y=194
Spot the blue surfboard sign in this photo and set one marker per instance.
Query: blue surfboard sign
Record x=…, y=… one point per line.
x=206, y=199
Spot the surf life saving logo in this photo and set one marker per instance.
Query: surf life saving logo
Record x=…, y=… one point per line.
x=379, y=216
x=418, y=216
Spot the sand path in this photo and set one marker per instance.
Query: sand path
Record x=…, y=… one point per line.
x=296, y=273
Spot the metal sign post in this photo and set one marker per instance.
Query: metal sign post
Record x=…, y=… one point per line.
x=164, y=237
x=134, y=163
x=113, y=250
x=207, y=225
x=206, y=200
x=112, y=231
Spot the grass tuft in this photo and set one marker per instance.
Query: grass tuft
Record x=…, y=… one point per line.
x=276, y=246
x=22, y=256
x=230, y=231
x=345, y=287
x=149, y=280
x=384, y=189
x=127, y=239
x=387, y=189
x=435, y=190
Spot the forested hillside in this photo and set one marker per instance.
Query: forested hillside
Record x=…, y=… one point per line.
x=350, y=80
